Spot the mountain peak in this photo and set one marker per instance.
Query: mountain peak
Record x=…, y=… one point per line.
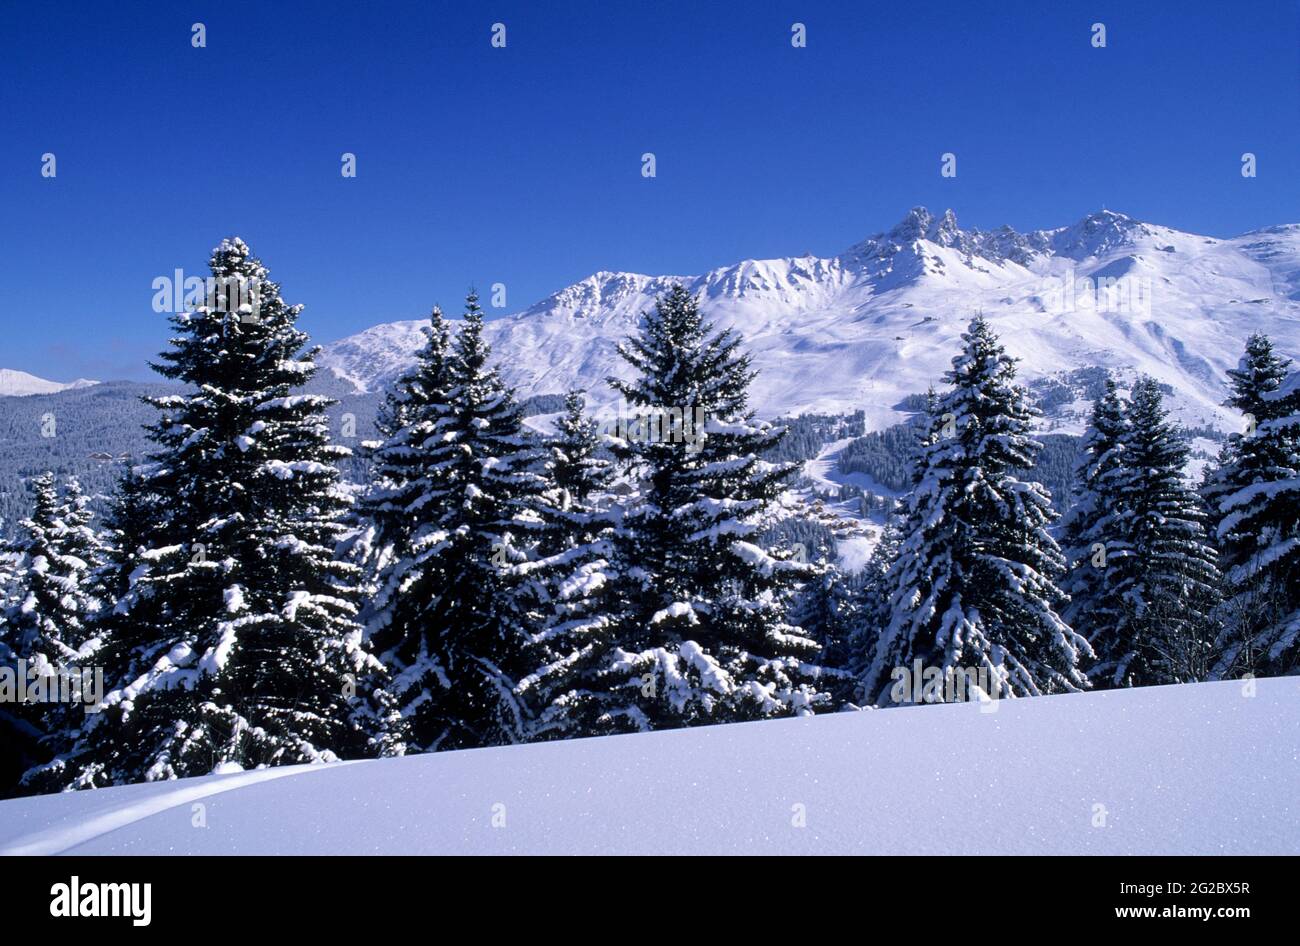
x=867, y=327
x=995, y=246
x=20, y=384
x=1104, y=218
x=1097, y=233
x=920, y=224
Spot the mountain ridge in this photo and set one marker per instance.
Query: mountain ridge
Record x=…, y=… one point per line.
x=881, y=320
x=14, y=383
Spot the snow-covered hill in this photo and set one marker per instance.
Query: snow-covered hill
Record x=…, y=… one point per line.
x=882, y=320
x=20, y=384
x=1191, y=769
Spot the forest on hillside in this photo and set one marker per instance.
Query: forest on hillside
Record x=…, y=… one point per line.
x=268, y=585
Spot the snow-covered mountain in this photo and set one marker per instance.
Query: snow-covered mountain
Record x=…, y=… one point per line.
x=20, y=383
x=883, y=319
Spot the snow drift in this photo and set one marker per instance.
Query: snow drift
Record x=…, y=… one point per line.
x=1191, y=769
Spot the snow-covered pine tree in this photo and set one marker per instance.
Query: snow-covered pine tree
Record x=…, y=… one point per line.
x=127, y=524
x=1090, y=522
x=880, y=577
x=16, y=755
x=234, y=642
x=44, y=630
x=700, y=630
x=8, y=568
x=1254, y=507
x=826, y=605
x=412, y=420
x=458, y=488
x=424, y=387
x=1160, y=566
x=975, y=580
x=51, y=602
x=567, y=582
x=580, y=474
x=870, y=611
x=397, y=541
x=832, y=608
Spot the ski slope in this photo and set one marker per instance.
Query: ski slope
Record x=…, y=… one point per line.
x=1193, y=769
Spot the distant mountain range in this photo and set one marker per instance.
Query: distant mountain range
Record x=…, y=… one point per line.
x=883, y=319
x=862, y=330
x=21, y=384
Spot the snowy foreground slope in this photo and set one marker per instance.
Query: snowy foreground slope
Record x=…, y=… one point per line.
x=883, y=319
x=1182, y=769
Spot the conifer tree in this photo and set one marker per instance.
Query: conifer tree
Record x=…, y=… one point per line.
x=392, y=541
x=51, y=602
x=458, y=502
x=699, y=628
x=413, y=420
x=1254, y=507
x=880, y=577
x=233, y=641
x=579, y=475
x=833, y=607
x=1160, y=566
x=130, y=517
x=17, y=738
x=1092, y=519
x=567, y=582
x=870, y=612
x=975, y=581
x=45, y=636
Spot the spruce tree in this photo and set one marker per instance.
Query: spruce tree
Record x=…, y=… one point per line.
x=833, y=607
x=881, y=575
x=47, y=619
x=45, y=636
x=233, y=641
x=394, y=527
x=404, y=465
x=870, y=611
x=568, y=582
x=16, y=755
x=127, y=525
x=579, y=475
x=975, y=581
x=457, y=500
x=699, y=629
x=1091, y=520
x=1254, y=507
x=1160, y=566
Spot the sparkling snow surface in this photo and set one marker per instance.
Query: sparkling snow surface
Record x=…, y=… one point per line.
x=1181, y=769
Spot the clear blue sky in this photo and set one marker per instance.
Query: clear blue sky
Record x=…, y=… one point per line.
x=522, y=165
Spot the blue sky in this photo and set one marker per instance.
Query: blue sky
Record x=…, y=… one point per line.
x=522, y=165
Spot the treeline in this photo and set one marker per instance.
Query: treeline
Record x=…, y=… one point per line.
x=806, y=434
x=489, y=586
x=65, y=434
